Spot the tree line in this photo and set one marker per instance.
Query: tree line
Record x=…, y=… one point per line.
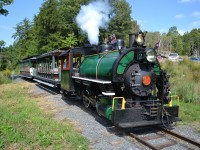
x=54, y=27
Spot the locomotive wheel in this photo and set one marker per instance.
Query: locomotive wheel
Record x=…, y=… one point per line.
x=163, y=86
x=64, y=94
x=86, y=102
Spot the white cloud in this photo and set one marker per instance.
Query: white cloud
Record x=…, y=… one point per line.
x=195, y=24
x=196, y=14
x=187, y=1
x=179, y=16
x=181, y=32
x=6, y=27
x=163, y=31
x=142, y=24
x=184, y=1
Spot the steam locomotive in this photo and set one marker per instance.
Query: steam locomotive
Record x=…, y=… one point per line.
x=125, y=85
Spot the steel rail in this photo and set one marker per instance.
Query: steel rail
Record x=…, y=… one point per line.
x=180, y=136
x=143, y=141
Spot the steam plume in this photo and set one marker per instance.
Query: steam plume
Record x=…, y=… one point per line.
x=93, y=16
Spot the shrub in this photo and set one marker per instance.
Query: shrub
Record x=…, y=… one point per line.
x=184, y=79
x=5, y=76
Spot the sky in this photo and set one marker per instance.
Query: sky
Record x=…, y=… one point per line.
x=151, y=15
x=160, y=15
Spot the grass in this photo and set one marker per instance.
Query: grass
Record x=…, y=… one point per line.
x=185, y=82
x=5, y=76
x=189, y=113
x=24, y=125
x=184, y=79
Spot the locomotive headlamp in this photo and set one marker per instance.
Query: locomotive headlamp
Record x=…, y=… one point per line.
x=150, y=54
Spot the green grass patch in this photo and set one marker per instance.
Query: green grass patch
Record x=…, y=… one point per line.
x=189, y=113
x=24, y=126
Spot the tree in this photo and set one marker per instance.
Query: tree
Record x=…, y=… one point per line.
x=186, y=44
x=166, y=42
x=195, y=42
x=70, y=41
x=176, y=44
x=173, y=31
x=47, y=26
x=2, y=43
x=121, y=23
x=68, y=11
x=4, y=3
x=25, y=43
x=22, y=29
x=134, y=27
x=152, y=38
x=6, y=58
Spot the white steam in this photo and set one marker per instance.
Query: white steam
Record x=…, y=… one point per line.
x=93, y=16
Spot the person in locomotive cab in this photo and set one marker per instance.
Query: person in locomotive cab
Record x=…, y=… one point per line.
x=65, y=64
x=77, y=63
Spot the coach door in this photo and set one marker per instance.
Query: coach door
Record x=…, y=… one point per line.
x=66, y=63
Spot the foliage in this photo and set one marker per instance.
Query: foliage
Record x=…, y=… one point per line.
x=69, y=10
x=70, y=41
x=4, y=3
x=5, y=76
x=152, y=38
x=22, y=29
x=47, y=26
x=25, y=44
x=2, y=43
x=192, y=42
x=24, y=126
x=173, y=31
x=188, y=44
x=121, y=22
x=184, y=79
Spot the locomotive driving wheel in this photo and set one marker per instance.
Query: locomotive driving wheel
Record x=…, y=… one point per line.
x=163, y=86
x=85, y=99
x=64, y=94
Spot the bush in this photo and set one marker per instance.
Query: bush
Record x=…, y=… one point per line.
x=5, y=76
x=184, y=79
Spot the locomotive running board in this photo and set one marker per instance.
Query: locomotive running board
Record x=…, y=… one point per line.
x=92, y=80
x=48, y=84
x=108, y=94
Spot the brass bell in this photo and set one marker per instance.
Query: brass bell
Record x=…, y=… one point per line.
x=140, y=39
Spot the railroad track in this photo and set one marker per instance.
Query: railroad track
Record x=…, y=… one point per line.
x=170, y=139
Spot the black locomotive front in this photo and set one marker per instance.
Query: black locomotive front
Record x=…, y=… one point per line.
x=144, y=87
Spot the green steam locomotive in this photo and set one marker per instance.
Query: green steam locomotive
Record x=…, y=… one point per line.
x=125, y=85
